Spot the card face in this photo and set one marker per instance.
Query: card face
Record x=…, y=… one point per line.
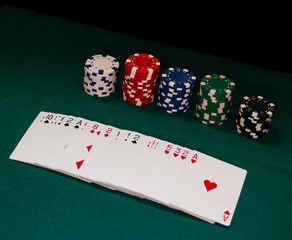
x=175, y=158
x=145, y=173
x=140, y=165
x=59, y=129
x=74, y=152
x=35, y=137
x=93, y=166
x=94, y=149
x=121, y=159
x=210, y=189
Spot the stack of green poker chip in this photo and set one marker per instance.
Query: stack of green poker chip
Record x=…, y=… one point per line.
x=214, y=99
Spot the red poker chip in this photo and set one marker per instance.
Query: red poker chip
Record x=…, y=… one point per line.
x=138, y=102
x=138, y=90
x=143, y=62
x=138, y=98
x=140, y=75
x=137, y=81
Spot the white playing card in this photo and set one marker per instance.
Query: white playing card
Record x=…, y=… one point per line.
x=136, y=164
x=145, y=172
x=174, y=159
x=84, y=172
x=45, y=127
x=19, y=153
x=66, y=128
x=210, y=189
x=97, y=156
x=77, y=149
x=121, y=159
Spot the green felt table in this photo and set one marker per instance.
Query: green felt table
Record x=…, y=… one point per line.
x=41, y=69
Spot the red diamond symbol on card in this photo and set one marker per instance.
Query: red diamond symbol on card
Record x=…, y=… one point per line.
x=193, y=160
x=98, y=132
x=106, y=135
x=79, y=164
x=92, y=131
x=89, y=147
x=166, y=152
x=175, y=154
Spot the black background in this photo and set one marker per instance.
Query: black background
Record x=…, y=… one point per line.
x=254, y=32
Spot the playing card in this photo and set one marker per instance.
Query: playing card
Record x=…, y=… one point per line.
x=174, y=158
x=143, y=175
x=209, y=188
x=86, y=167
x=66, y=128
x=134, y=163
x=33, y=140
x=94, y=162
x=121, y=159
x=74, y=153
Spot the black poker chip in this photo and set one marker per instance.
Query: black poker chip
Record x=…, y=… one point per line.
x=254, y=116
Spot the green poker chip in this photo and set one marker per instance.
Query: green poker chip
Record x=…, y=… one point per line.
x=217, y=84
x=214, y=99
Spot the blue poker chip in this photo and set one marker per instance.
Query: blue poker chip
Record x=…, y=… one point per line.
x=175, y=90
x=179, y=77
x=174, y=96
x=175, y=101
x=172, y=110
x=170, y=92
x=166, y=88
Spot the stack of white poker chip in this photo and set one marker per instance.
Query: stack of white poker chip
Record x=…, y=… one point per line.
x=100, y=75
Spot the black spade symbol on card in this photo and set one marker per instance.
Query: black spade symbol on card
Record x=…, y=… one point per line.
x=46, y=121
x=66, y=124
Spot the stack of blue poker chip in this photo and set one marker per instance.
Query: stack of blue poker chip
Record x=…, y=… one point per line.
x=175, y=90
x=100, y=74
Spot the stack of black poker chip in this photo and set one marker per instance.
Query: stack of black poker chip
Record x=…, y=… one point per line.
x=254, y=117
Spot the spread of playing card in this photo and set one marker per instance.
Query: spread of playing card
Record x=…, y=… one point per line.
x=131, y=162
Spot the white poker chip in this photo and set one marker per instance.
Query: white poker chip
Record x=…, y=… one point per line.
x=100, y=74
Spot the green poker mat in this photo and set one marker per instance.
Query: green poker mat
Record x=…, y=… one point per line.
x=41, y=69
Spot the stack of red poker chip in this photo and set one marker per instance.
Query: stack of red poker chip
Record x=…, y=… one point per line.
x=141, y=71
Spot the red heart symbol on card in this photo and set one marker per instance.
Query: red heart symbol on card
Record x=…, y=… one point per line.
x=227, y=212
x=183, y=157
x=175, y=154
x=166, y=152
x=210, y=185
x=193, y=160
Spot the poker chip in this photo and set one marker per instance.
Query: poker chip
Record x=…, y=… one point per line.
x=214, y=99
x=175, y=90
x=141, y=71
x=100, y=74
x=254, y=116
